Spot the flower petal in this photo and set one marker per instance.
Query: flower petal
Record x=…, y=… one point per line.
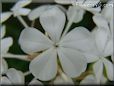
x=100, y=21
x=79, y=12
x=80, y=39
x=5, y=44
x=4, y=16
x=23, y=11
x=90, y=79
x=22, y=3
x=98, y=70
x=53, y=22
x=15, y=76
x=3, y=66
x=72, y=61
x=109, y=69
x=5, y=81
x=101, y=38
x=2, y=31
x=44, y=67
x=35, y=82
x=35, y=13
x=32, y=40
x=109, y=48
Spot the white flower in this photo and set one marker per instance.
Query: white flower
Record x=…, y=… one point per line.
x=13, y=77
x=91, y=80
x=85, y=4
x=68, y=48
x=18, y=9
x=104, y=43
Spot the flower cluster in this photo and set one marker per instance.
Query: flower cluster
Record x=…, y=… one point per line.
x=56, y=52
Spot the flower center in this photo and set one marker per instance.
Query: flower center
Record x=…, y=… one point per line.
x=56, y=45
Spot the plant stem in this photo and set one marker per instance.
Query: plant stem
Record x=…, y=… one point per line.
x=27, y=73
x=22, y=21
x=21, y=57
x=32, y=24
x=62, y=75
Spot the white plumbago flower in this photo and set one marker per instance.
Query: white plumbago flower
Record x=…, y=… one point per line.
x=91, y=80
x=4, y=16
x=85, y=4
x=104, y=43
x=69, y=48
x=12, y=77
x=18, y=9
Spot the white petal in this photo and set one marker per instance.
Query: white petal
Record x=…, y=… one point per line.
x=98, y=70
x=90, y=79
x=35, y=13
x=60, y=81
x=79, y=12
x=80, y=39
x=101, y=38
x=35, y=82
x=15, y=76
x=64, y=1
x=5, y=44
x=23, y=11
x=44, y=66
x=100, y=21
x=109, y=48
x=109, y=69
x=32, y=40
x=72, y=61
x=2, y=31
x=4, y=16
x=3, y=66
x=5, y=81
x=21, y=3
x=53, y=22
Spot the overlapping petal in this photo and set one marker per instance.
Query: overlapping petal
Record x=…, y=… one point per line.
x=15, y=76
x=79, y=38
x=5, y=81
x=72, y=61
x=98, y=70
x=53, y=23
x=109, y=69
x=44, y=66
x=32, y=40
